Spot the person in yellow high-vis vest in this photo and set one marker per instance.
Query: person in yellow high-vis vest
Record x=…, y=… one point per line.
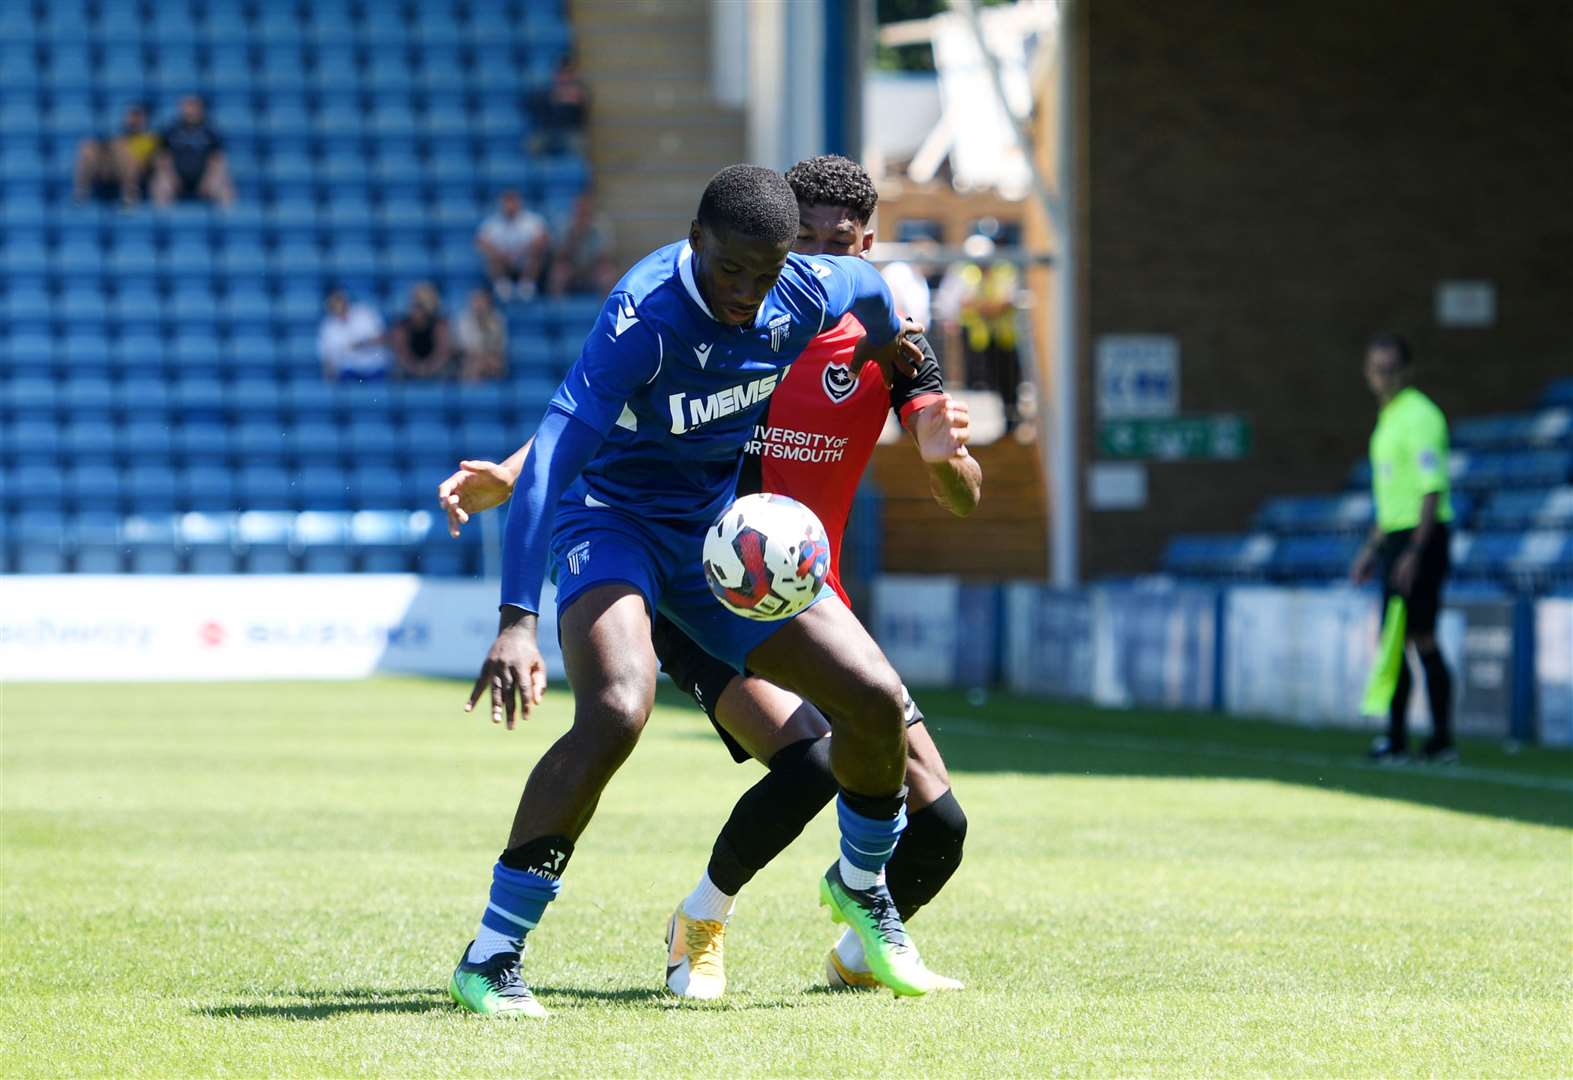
x=1408, y=546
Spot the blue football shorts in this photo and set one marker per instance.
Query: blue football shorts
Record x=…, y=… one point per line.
x=599, y=545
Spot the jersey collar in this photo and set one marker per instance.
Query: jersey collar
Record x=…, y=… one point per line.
x=685, y=271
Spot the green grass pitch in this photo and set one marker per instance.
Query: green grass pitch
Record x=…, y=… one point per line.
x=276, y=880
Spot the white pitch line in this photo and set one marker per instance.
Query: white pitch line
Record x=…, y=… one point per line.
x=956, y=725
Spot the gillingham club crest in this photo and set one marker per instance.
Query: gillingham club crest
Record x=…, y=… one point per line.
x=780, y=326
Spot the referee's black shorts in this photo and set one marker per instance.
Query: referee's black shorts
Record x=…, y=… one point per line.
x=1425, y=595
x=703, y=677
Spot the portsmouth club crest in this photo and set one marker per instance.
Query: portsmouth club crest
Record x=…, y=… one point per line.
x=838, y=382
x=780, y=327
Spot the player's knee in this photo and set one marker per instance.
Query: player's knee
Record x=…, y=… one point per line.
x=880, y=702
x=617, y=715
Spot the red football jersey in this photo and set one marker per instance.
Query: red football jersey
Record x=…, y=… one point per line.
x=817, y=434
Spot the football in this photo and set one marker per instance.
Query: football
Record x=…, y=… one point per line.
x=766, y=557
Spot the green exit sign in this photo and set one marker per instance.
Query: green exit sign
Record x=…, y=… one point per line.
x=1179, y=438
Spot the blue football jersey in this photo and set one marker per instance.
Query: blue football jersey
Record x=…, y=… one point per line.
x=675, y=392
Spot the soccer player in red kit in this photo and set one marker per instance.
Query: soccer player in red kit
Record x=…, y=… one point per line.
x=812, y=444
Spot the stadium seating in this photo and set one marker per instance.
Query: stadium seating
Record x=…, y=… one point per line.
x=158, y=367
x=1512, y=503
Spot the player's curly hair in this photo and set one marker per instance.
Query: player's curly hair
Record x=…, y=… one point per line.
x=832, y=180
x=752, y=201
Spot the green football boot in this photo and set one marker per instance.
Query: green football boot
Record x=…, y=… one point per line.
x=871, y=914
x=493, y=987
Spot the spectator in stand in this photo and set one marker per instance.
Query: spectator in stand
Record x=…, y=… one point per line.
x=559, y=113
x=421, y=346
x=350, y=341
x=483, y=339
x=117, y=166
x=191, y=164
x=582, y=251
x=513, y=242
x=980, y=294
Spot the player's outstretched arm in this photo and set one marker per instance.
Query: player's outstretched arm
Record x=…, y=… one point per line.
x=478, y=486
x=941, y=429
x=513, y=669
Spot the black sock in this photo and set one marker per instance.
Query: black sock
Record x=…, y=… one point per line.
x=1398, y=711
x=1439, y=692
x=772, y=813
x=546, y=855
x=928, y=854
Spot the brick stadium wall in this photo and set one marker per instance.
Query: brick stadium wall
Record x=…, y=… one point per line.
x=1272, y=182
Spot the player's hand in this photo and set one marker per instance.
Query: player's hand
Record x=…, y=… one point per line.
x=1361, y=569
x=477, y=486
x=899, y=354
x=1404, y=571
x=942, y=429
x=514, y=670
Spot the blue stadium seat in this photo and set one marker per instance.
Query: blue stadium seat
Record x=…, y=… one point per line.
x=265, y=537
x=323, y=487
x=95, y=538
x=28, y=304
x=30, y=351
x=138, y=353
x=197, y=355
x=247, y=308
x=355, y=260
x=25, y=253
x=31, y=396
x=373, y=439
x=145, y=396
x=260, y=442
x=90, y=438
x=93, y=486
x=78, y=258
x=209, y=487
x=266, y=487
x=310, y=398
x=1485, y=554
x=401, y=214
x=151, y=488
x=381, y=539
x=147, y=441
x=252, y=351
x=323, y=540
x=375, y=487
x=256, y=398
x=41, y=540
x=393, y=120
x=429, y=437
x=203, y=442
x=87, y=395
x=193, y=305
x=137, y=305
x=32, y=440
x=85, y=352
x=297, y=256
x=83, y=302
x=487, y=439
x=314, y=441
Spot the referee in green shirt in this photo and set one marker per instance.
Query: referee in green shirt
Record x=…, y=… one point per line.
x=1408, y=546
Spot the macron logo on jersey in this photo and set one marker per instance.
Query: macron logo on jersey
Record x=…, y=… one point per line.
x=689, y=413
x=702, y=353
x=625, y=318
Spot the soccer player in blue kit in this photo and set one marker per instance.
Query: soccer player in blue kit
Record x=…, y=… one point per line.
x=638, y=452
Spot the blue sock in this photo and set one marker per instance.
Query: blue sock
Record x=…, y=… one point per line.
x=868, y=842
x=518, y=900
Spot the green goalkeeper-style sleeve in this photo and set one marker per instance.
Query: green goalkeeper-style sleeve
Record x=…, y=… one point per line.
x=1383, y=683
